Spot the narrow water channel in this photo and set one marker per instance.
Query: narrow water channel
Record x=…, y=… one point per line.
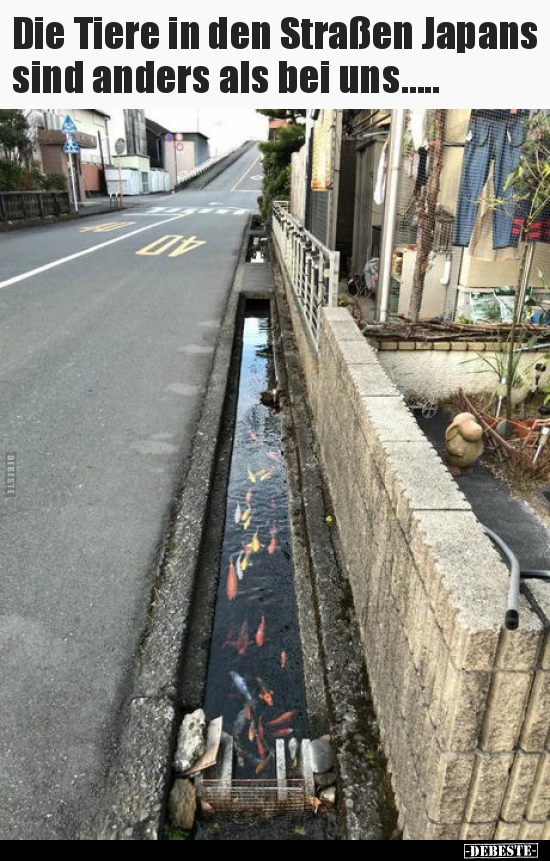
x=255, y=673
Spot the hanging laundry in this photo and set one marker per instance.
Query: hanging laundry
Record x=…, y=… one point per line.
x=482, y=243
x=494, y=137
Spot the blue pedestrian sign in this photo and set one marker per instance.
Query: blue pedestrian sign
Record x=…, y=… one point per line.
x=68, y=126
x=71, y=145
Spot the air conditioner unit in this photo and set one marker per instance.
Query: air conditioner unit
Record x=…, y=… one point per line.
x=52, y=122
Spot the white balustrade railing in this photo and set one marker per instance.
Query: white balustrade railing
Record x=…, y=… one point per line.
x=312, y=269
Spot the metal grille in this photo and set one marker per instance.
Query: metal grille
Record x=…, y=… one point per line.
x=261, y=797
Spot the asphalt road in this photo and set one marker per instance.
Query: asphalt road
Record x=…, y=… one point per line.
x=108, y=327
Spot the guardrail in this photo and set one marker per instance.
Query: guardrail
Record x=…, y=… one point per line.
x=312, y=268
x=28, y=205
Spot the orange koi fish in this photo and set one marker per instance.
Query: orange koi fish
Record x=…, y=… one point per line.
x=286, y=717
x=260, y=633
x=281, y=733
x=251, y=731
x=273, y=543
x=232, y=582
x=265, y=694
x=283, y=660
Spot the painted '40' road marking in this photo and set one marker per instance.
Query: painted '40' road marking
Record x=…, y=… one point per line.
x=165, y=243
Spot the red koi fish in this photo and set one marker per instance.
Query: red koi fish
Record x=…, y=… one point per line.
x=284, y=658
x=232, y=582
x=281, y=733
x=260, y=633
x=243, y=641
x=286, y=717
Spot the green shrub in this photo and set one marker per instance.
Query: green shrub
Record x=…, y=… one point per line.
x=55, y=182
x=10, y=175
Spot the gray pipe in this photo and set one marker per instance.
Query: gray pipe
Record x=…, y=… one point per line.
x=511, y=621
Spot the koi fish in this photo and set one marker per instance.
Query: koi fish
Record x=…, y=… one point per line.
x=247, y=513
x=243, y=641
x=240, y=684
x=239, y=567
x=246, y=524
x=251, y=731
x=260, y=633
x=253, y=436
x=261, y=473
x=238, y=513
x=260, y=747
x=283, y=660
x=251, y=475
x=273, y=530
x=248, y=497
x=261, y=765
x=272, y=546
x=240, y=721
x=246, y=560
x=255, y=545
x=232, y=582
x=282, y=733
x=286, y=717
x=272, y=456
x=293, y=750
x=265, y=694
x=268, y=474
x=272, y=502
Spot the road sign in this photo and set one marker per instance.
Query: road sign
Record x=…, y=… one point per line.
x=169, y=137
x=68, y=126
x=120, y=146
x=179, y=136
x=179, y=147
x=71, y=145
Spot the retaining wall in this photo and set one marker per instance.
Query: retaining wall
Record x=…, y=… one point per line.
x=462, y=704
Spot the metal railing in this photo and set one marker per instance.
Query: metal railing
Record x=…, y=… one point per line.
x=312, y=268
x=24, y=205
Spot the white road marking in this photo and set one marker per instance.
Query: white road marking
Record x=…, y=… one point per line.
x=85, y=251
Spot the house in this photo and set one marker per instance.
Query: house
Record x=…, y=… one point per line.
x=92, y=137
x=344, y=194
x=177, y=152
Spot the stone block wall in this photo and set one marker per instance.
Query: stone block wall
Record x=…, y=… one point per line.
x=463, y=705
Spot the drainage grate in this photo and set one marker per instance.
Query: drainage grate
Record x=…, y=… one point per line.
x=261, y=796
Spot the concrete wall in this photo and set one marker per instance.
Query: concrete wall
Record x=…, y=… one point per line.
x=463, y=705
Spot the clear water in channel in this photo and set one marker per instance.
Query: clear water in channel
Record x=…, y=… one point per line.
x=255, y=673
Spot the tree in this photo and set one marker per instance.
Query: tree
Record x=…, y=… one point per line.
x=426, y=217
x=277, y=156
x=15, y=142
